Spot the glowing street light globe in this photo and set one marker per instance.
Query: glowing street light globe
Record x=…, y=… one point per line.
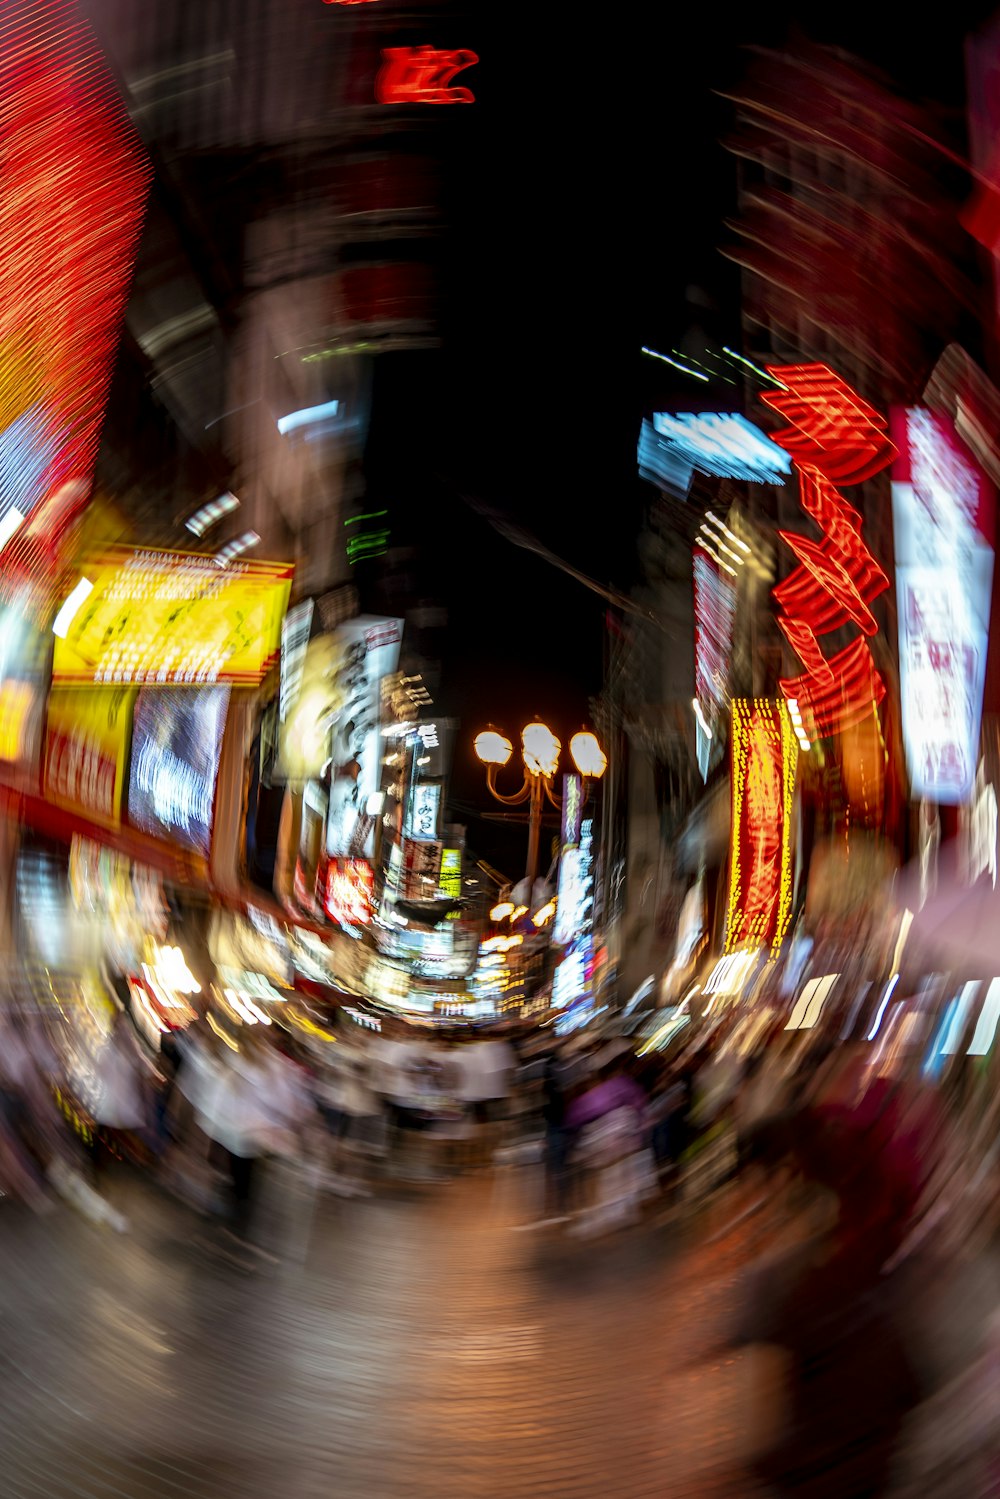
x=588, y=757
x=540, y=749
x=493, y=748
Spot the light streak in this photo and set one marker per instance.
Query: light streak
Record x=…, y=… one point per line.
x=307, y=417
x=890, y=986
x=682, y=367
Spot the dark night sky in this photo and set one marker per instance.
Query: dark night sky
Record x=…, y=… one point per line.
x=586, y=192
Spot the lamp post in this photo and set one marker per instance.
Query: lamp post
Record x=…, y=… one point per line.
x=540, y=750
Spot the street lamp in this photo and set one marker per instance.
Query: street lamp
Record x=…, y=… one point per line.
x=540, y=750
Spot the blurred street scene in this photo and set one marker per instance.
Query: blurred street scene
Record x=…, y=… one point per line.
x=499, y=747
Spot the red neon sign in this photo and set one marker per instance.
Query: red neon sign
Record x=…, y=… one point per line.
x=422, y=75
x=834, y=436
x=831, y=429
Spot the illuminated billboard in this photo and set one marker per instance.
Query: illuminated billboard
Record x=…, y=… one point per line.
x=170, y=619
x=72, y=189
x=764, y=759
x=86, y=751
x=450, y=876
x=943, y=524
x=176, y=742
x=575, y=898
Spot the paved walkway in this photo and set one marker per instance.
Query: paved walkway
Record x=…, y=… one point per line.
x=410, y=1346
x=407, y=1345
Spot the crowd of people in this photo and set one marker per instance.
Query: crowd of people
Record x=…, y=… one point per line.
x=844, y=1160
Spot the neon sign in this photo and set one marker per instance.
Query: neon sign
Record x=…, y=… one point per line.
x=723, y=444
x=422, y=75
x=834, y=438
x=764, y=759
x=831, y=429
x=71, y=200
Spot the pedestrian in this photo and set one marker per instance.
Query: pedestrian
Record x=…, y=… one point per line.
x=832, y=1382
x=609, y=1117
x=557, y=1139
x=251, y=1110
x=121, y=1103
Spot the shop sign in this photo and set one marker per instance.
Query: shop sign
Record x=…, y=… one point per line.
x=86, y=751
x=425, y=803
x=450, y=881
x=349, y=899
x=421, y=870
x=764, y=757
x=170, y=618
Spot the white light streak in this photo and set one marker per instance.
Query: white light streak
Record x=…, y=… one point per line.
x=986, y=1025
x=699, y=715
x=750, y=365
x=68, y=612
x=307, y=416
x=682, y=367
x=890, y=986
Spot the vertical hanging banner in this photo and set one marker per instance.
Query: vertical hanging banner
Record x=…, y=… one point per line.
x=943, y=524
x=834, y=439
x=73, y=183
x=764, y=758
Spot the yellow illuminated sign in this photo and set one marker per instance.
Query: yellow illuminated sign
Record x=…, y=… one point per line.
x=86, y=751
x=450, y=878
x=170, y=619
